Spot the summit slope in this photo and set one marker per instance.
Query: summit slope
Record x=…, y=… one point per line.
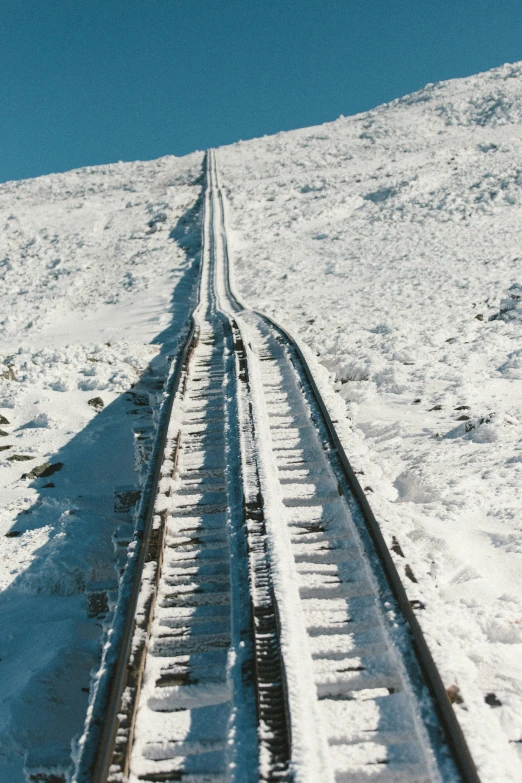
x=390, y=243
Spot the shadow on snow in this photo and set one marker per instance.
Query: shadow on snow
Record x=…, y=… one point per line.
x=75, y=518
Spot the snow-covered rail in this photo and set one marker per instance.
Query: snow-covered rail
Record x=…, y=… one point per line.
x=271, y=638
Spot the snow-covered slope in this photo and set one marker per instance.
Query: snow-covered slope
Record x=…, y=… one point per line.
x=96, y=269
x=391, y=243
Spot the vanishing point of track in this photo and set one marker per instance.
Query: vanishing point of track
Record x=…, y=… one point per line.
x=262, y=632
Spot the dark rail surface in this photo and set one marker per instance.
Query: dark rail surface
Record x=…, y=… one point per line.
x=270, y=682
x=94, y=766
x=96, y=755
x=453, y=734
x=98, y=751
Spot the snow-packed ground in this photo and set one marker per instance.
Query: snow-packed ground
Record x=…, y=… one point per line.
x=96, y=274
x=391, y=244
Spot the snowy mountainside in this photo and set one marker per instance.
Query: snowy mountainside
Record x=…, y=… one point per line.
x=97, y=273
x=390, y=243
x=74, y=240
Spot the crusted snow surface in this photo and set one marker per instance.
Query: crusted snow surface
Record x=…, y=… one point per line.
x=389, y=243
x=96, y=272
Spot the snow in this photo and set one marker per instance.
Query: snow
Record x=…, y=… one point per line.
x=389, y=243
x=96, y=269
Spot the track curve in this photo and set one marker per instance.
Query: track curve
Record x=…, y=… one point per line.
x=449, y=726
x=264, y=633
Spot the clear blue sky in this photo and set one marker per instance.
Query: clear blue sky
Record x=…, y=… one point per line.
x=94, y=81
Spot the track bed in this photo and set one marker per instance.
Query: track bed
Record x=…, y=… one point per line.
x=271, y=640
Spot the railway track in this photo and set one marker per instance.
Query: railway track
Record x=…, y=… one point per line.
x=266, y=634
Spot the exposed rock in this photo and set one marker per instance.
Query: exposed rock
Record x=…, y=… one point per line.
x=100, y=596
x=396, y=547
x=3, y=420
x=138, y=398
x=125, y=498
x=8, y=374
x=3, y=434
x=19, y=458
x=42, y=471
x=511, y=306
x=479, y=421
x=380, y=195
x=97, y=403
x=454, y=695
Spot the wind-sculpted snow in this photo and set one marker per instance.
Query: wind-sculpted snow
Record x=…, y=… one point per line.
x=97, y=274
x=390, y=242
x=87, y=236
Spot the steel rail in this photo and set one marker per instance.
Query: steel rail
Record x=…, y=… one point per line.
x=103, y=722
x=107, y=715
x=108, y=706
x=270, y=676
x=453, y=733
x=270, y=681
